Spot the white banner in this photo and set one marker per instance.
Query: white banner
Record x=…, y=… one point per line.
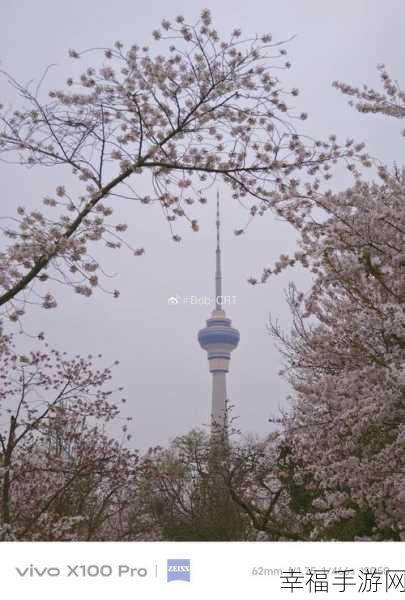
x=159, y=570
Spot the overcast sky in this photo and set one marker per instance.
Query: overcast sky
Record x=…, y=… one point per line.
x=162, y=367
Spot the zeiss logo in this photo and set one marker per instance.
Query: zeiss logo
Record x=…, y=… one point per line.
x=178, y=568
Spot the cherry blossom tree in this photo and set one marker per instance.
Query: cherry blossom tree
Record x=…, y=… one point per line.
x=200, y=110
x=61, y=475
x=345, y=356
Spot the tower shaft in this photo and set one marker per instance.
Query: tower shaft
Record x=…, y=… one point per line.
x=219, y=399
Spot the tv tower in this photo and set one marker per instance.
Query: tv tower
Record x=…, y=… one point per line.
x=218, y=338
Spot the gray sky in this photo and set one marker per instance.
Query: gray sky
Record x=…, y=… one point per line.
x=163, y=369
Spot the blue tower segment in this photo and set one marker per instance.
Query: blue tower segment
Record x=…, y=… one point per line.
x=218, y=338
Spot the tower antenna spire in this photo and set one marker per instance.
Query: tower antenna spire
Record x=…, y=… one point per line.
x=218, y=272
